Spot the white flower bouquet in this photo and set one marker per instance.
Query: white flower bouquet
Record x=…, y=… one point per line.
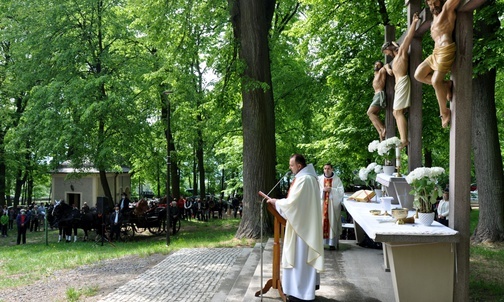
x=385, y=148
x=424, y=185
x=368, y=174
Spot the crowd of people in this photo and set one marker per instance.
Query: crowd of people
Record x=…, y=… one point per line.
x=30, y=218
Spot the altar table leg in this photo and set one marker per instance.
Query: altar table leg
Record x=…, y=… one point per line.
x=422, y=271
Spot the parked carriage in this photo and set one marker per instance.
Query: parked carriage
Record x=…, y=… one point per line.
x=144, y=217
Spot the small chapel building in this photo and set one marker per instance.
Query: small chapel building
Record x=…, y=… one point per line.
x=83, y=185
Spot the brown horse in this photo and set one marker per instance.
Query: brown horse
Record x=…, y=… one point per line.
x=141, y=207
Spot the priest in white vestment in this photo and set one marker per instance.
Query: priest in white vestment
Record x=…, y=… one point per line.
x=331, y=196
x=303, y=250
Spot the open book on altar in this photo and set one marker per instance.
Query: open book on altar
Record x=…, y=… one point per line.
x=362, y=195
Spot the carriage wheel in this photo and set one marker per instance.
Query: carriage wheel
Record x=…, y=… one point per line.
x=127, y=232
x=156, y=230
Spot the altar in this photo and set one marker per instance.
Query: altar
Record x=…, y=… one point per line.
x=421, y=258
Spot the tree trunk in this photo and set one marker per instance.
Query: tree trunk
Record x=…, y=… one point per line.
x=173, y=167
x=488, y=161
x=251, y=23
x=3, y=169
x=105, y=186
x=485, y=141
x=201, y=165
x=18, y=187
x=195, y=175
x=175, y=176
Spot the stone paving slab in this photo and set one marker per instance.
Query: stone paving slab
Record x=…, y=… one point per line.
x=352, y=274
x=185, y=276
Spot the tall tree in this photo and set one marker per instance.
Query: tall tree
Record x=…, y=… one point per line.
x=251, y=23
x=89, y=98
x=486, y=147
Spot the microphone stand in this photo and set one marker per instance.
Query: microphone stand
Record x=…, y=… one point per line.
x=262, y=210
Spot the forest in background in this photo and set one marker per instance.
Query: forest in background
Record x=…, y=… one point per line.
x=97, y=80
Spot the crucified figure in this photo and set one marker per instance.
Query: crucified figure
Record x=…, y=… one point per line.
x=433, y=70
x=399, y=69
x=380, y=75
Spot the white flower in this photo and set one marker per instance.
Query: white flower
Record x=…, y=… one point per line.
x=371, y=170
x=373, y=146
x=419, y=173
x=363, y=174
x=390, y=143
x=424, y=185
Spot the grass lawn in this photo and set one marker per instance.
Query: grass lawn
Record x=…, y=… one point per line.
x=486, y=280
x=23, y=264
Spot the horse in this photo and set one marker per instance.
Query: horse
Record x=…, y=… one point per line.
x=66, y=219
x=141, y=207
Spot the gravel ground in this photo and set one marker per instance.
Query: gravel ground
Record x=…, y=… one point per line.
x=105, y=277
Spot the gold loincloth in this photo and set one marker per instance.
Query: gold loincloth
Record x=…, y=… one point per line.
x=442, y=58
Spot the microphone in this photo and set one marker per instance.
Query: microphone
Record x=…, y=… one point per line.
x=266, y=196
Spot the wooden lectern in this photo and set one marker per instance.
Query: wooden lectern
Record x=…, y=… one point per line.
x=278, y=227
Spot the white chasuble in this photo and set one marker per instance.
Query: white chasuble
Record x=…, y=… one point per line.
x=303, y=250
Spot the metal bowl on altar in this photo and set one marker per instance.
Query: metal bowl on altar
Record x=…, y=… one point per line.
x=375, y=212
x=400, y=214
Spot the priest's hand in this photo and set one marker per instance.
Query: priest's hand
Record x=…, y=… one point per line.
x=272, y=201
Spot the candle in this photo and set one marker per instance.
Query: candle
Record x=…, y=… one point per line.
x=398, y=162
x=397, y=152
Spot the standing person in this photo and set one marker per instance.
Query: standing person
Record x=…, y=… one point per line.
x=433, y=70
x=443, y=208
x=22, y=221
x=398, y=67
x=174, y=211
x=4, y=222
x=332, y=192
x=124, y=204
x=188, y=208
x=85, y=208
x=34, y=221
x=115, y=224
x=12, y=217
x=180, y=205
x=303, y=250
x=380, y=76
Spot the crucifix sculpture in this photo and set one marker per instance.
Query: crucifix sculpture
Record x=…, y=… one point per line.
x=459, y=118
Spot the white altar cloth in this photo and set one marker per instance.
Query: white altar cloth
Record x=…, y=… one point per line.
x=384, y=228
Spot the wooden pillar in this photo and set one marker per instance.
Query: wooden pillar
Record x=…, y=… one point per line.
x=415, y=110
x=390, y=123
x=460, y=150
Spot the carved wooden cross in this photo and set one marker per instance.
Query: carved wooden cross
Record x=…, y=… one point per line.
x=460, y=142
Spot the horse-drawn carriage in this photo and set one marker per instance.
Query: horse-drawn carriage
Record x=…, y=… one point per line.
x=139, y=219
x=144, y=217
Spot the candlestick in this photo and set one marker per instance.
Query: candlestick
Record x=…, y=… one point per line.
x=398, y=161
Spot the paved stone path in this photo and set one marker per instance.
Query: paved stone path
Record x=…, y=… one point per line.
x=185, y=276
